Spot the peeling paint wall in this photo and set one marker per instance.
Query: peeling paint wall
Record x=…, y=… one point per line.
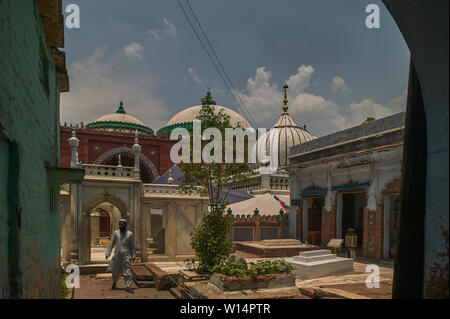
x=29, y=104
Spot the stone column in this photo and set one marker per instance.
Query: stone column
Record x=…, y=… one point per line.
x=386, y=199
x=137, y=150
x=294, y=227
x=74, y=143
x=338, y=222
x=74, y=214
x=305, y=208
x=299, y=222
x=142, y=224
x=171, y=230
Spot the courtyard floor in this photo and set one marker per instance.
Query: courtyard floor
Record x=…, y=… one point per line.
x=100, y=288
x=345, y=285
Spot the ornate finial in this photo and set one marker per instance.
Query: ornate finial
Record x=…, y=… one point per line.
x=121, y=110
x=120, y=161
x=285, y=101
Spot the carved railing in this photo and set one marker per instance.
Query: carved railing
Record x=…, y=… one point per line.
x=279, y=182
x=253, y=184
x=165, y=189
x=108, y=170
x=276, y=182
x=161, y=189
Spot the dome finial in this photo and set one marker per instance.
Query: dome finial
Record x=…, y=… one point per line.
x=285, y=101
x=120, y=110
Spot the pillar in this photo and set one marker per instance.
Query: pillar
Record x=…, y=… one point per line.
x=298, y=220
x=74, y=143
x=137, y=150
x=373, y=233
x=171, y=230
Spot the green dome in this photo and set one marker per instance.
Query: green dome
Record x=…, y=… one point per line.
x=120, y=120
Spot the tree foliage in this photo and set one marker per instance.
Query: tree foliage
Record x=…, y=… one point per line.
x=210, y=240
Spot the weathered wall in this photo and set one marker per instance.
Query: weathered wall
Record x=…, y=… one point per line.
x=425, y=25
x=29, y=104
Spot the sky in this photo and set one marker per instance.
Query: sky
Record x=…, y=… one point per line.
x=145, y=53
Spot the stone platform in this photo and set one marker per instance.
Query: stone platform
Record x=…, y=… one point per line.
x=273, y=248
x=319, y=263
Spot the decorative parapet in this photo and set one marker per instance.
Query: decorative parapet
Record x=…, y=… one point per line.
x=108, y=170
x=162, y=189
x=165, y=189
x=252, y=220
x=276, y=182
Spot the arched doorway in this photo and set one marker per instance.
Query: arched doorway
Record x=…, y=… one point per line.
x=93, y=246
x=104, y=220
x=104, y=224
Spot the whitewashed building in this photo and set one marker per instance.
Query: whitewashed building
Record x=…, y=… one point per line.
x=349, y=179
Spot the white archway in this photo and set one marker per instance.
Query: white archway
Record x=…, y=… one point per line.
x=123, y=149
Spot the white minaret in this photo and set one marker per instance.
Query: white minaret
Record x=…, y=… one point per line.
x=74, y=142
x=137, y=150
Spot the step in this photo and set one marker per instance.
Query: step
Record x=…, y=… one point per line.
x=310, y=259
x=141, y=273
x=311, y=253
x=105, y=276
x=144, y=283
x=176, y=293
x=160, y=277
x=90, y=269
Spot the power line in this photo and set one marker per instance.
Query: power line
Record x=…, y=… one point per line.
x=230, y=90
x=240, y=102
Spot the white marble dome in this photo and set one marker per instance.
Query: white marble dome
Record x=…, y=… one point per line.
x=190, y=114
x=117, y=117
x=284, y=134
x=119, y=120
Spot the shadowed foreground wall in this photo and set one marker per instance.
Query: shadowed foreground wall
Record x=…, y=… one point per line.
x=29, y=142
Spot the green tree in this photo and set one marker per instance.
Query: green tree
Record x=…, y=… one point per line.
x=210, y=240
x=368, y=120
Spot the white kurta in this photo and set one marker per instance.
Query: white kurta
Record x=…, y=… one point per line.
x=124, y=253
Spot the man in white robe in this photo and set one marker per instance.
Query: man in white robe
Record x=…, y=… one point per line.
x=124, y=254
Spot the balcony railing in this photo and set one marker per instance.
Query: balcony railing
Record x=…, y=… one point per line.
x=108, y=170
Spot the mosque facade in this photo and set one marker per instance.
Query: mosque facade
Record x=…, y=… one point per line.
x=129, y=174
